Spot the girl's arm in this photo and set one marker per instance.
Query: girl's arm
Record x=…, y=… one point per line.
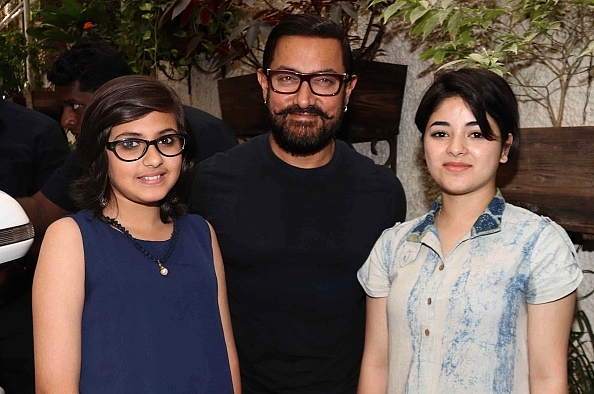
x=374, y=367
x=225, y=315
x=548, y=339
x=58, y=296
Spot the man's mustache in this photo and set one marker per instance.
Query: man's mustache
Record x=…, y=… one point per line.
x=297, y=110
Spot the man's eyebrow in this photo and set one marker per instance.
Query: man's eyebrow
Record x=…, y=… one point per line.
x=327, y=70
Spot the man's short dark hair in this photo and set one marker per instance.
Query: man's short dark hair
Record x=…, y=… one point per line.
x=90, y=63
x=308, y=25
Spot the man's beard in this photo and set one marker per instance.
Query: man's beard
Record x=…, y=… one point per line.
x=299, y=138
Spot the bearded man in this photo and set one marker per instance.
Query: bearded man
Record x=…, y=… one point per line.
x=296, y=213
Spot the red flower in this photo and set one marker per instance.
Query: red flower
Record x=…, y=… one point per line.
x=88, y=25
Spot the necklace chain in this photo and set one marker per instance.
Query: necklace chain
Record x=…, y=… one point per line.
x=160, y=262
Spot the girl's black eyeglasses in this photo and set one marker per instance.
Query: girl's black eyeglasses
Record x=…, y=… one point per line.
x=132, y=149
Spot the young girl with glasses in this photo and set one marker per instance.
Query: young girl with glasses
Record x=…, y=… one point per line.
x=129, y=294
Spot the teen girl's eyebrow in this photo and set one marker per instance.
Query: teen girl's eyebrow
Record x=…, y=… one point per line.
x=135, y=134
x=443, y=123
x=439, y=123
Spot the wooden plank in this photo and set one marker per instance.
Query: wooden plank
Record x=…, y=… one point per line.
x=376, y=101
x=553, y=175
x=242, y=105
x=46, y=100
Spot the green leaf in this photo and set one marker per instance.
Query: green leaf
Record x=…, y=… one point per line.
x=58, y=35
x=180, y=7
x=453, y=63
x=417, y=14
x=478, y=58
x=335, y=13
x=71, y=8
x=588, y=51
x=452, y=24
x=438, y=57
x=430, y=25
x=252, y=35
x=391, y=11
x=349, y=9
x=513, y=48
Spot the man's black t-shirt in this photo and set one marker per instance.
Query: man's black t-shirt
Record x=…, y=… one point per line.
x=292, y=241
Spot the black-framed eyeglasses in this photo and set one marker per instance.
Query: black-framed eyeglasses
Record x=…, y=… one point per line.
x=132, y=149
x=320, y=84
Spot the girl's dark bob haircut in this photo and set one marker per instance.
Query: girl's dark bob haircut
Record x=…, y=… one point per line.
x=122, y=100
x=484, y=92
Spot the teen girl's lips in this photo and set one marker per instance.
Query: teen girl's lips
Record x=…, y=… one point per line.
x=153, y=178
x=456, y=166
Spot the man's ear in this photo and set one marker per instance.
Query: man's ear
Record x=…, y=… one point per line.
x=263, y=81
x=349, y=88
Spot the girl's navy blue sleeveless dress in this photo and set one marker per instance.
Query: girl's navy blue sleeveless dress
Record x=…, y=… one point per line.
x=147, y=333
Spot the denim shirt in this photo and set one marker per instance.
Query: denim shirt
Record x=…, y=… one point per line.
x=458, y=323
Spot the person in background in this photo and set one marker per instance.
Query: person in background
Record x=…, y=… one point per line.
x=137, y=301
x=32, y=146
x=76, y=75
x=478, y=295
x=296, y=212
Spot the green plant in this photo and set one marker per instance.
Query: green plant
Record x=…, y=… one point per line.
x=209, y=25
x=580, y=368
x=206, y=34
x=13, y=58
x=54, y=28
x=151, y=34
x=510, y=37
x=254, y=20
x=12, y=63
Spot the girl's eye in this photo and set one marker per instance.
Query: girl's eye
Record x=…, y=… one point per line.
x=129, y=144
x=167, y=140
x=439, y=134
x=476, y=134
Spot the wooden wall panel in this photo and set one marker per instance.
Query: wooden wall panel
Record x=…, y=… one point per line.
x=553, y=175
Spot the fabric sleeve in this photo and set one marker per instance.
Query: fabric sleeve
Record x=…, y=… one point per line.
x=51, y=150
x=57, y=188
x=211, y=133
x=375, y=276
x=199, y=188
x=555, y=268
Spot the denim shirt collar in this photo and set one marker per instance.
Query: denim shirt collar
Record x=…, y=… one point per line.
x=488, y=222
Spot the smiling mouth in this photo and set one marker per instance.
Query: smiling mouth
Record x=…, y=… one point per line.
x=151, y=178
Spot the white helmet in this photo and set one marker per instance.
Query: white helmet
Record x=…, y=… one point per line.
x=16, y=231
